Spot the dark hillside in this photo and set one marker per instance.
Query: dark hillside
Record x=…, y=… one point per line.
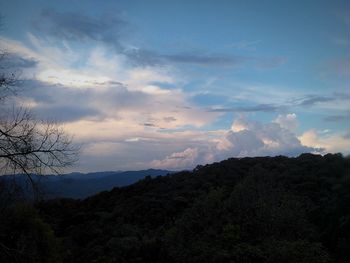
x=266, y=209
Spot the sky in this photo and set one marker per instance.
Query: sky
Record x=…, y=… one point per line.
x=175, y=84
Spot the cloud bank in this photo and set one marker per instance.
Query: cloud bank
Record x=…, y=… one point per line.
x=245, y=138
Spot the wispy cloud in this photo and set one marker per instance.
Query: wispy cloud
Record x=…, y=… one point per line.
x=310, y=100
x=111, y=29
x=338, y=117
x=73, y=26
x=256, y=108
x=205, y=59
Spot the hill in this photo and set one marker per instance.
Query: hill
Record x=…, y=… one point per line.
x=80, y=185
x=264, y=209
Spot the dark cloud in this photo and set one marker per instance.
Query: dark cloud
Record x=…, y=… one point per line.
x=342, y=95
x=169, y=119
x=57, y=102
x=336, y=118
x=65, y=113
x=14, y=61
x=148, y=124
x=65, y=104
x=205, y=60
x=143, y=57
x=306, y=101
x=107, y=28
x=311, y=100
x=260, y=107
x=146, y=57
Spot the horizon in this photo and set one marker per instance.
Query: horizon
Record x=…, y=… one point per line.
x=172, y=85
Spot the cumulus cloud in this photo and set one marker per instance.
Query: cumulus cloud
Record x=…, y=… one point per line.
x=330, y=142
x=245, y=138
x=288, y=121
x=178, y=160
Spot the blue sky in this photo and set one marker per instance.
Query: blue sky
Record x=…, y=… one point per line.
x=173, y=84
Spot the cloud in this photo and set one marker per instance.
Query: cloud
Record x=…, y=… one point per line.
x=264, y=138
x=111, y=29
x=117, y=98
x=256, y=108
x=330, y=142
x=205, y=59
x=72, y=26
x=252, y=98
x=12, y=61
x=338, y=118
x=342, y=95
x=245, y=138
x=109, y=105
x=104, y=86
x=310, y=100
x=146, y=57
x=178, y=160
x=288, y=121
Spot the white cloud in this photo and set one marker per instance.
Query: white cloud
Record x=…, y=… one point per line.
x=331, y=142
x=245, y=138
x=288, y=121
x=178, y=160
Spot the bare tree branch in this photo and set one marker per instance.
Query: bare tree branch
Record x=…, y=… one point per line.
x=27, y=145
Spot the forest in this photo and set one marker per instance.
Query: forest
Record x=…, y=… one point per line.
x=261, y=209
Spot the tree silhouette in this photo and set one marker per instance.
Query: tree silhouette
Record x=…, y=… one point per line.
x=28, y=145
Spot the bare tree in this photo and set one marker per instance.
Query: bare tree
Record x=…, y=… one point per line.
x=28, y=145
x=7, y=79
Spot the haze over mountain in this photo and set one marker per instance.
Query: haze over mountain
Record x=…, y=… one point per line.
x=79, y=185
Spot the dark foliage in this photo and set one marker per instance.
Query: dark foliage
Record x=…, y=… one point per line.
x=266, y=209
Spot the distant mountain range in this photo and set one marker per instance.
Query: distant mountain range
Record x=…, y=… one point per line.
x=80, y=185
